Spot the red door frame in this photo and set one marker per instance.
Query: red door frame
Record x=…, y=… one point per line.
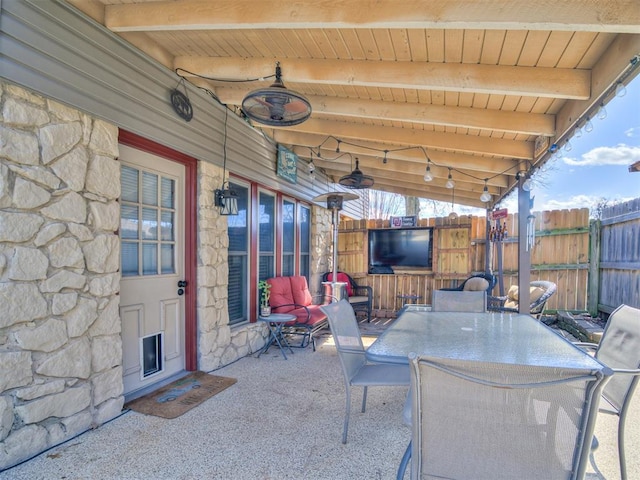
x=190, y=235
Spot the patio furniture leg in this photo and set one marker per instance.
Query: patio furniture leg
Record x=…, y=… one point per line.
x=404, y=462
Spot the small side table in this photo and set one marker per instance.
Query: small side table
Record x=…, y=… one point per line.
x=406, y=298
x=276, y=321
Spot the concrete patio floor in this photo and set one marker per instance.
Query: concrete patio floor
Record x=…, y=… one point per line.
x=281, y=420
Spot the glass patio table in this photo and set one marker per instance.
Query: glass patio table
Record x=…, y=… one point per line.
x=492, y=337
x=486, y=337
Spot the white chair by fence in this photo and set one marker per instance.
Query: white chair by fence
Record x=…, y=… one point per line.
x=486, y=421
x=619, y=349
x=357, y=372
x=459, y=301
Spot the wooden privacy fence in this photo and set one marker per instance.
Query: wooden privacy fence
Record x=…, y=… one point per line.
x=615, y=250
x=560, y=255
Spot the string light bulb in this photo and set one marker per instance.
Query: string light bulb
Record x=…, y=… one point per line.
x=450, y=183
x=602, y=112
x=568, y=146
x=428, y=176
x=621, y=90
x=384, y=160
x=338, y=147
x=578, y=132
x=588, y=126
x=486, y=196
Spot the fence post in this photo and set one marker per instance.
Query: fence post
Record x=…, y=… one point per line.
x=593, y=291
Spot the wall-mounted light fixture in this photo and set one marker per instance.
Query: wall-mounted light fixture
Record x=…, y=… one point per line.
x=227, y=200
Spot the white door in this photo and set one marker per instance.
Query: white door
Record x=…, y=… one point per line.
x=152, y=261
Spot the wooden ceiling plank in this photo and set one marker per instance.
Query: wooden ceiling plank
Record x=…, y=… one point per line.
x=417, y=45
x=453, y=41
x=534, y=81
x=533, y=48
x=401, y=44
x=589, y=15
x=472, y=46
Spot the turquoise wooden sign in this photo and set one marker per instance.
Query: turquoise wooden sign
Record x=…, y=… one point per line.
x=287, y=164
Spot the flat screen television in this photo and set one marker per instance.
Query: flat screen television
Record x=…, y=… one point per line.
x=400, y=247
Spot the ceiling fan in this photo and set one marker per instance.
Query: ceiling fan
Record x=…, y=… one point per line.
x=276, y=105
x=356, y=179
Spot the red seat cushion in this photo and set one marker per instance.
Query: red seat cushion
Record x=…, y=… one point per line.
x=281, y=294
x=300, y=290
x=342, y=277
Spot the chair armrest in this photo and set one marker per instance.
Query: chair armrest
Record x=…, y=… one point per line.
x=322, y=297
x=497, y=304
x=365, y=288
x=586, y=345
x=626, y=371
x=456, y=289
x=296, y=305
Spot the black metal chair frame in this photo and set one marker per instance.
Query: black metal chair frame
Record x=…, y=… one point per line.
x=358, y=291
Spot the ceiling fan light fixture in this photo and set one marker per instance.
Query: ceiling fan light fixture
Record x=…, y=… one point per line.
x=276, y=105
x=356, y=180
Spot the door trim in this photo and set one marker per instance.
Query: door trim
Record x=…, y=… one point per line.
x=190, y=234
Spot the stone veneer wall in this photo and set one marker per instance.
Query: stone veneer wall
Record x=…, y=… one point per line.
x=218, y=343
x=60, y=346
x=321, y=250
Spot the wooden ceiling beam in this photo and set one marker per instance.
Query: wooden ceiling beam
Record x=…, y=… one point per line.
x=419, y=138
x=464, y=117
x=549, y=82
x=567, y=15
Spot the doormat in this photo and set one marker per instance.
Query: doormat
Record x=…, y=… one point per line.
x=179, y=397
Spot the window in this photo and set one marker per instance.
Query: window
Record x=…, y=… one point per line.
x=270, y=236
x=147, y=223
x=288, y=237
x=305, y=241
x=266, y=236
x=238, y=226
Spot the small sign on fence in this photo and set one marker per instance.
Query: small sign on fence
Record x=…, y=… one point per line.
x=499, y=213
x=408, y=221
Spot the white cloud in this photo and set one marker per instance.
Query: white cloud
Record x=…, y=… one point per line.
x=619, y=155
x=633, y=132
x=578, y=201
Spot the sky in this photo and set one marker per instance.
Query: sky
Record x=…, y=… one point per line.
x=596, y=168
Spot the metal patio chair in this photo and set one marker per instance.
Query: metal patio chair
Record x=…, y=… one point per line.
x=459, y=301
x=360, y=296
x=490, y=421
x=357, y=372
x=619, y=349
x=541, y=291
x=478, y=281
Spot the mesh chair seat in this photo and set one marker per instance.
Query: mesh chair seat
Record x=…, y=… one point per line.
x=490, y=421
x=356, y=371
x=619, y=349
x=459, y=301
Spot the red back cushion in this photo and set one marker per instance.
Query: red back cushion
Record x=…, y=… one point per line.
x=300, y=290
x=342, y=277
x=281, y=294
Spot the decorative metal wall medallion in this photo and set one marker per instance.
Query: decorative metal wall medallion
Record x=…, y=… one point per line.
x=181, y=104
